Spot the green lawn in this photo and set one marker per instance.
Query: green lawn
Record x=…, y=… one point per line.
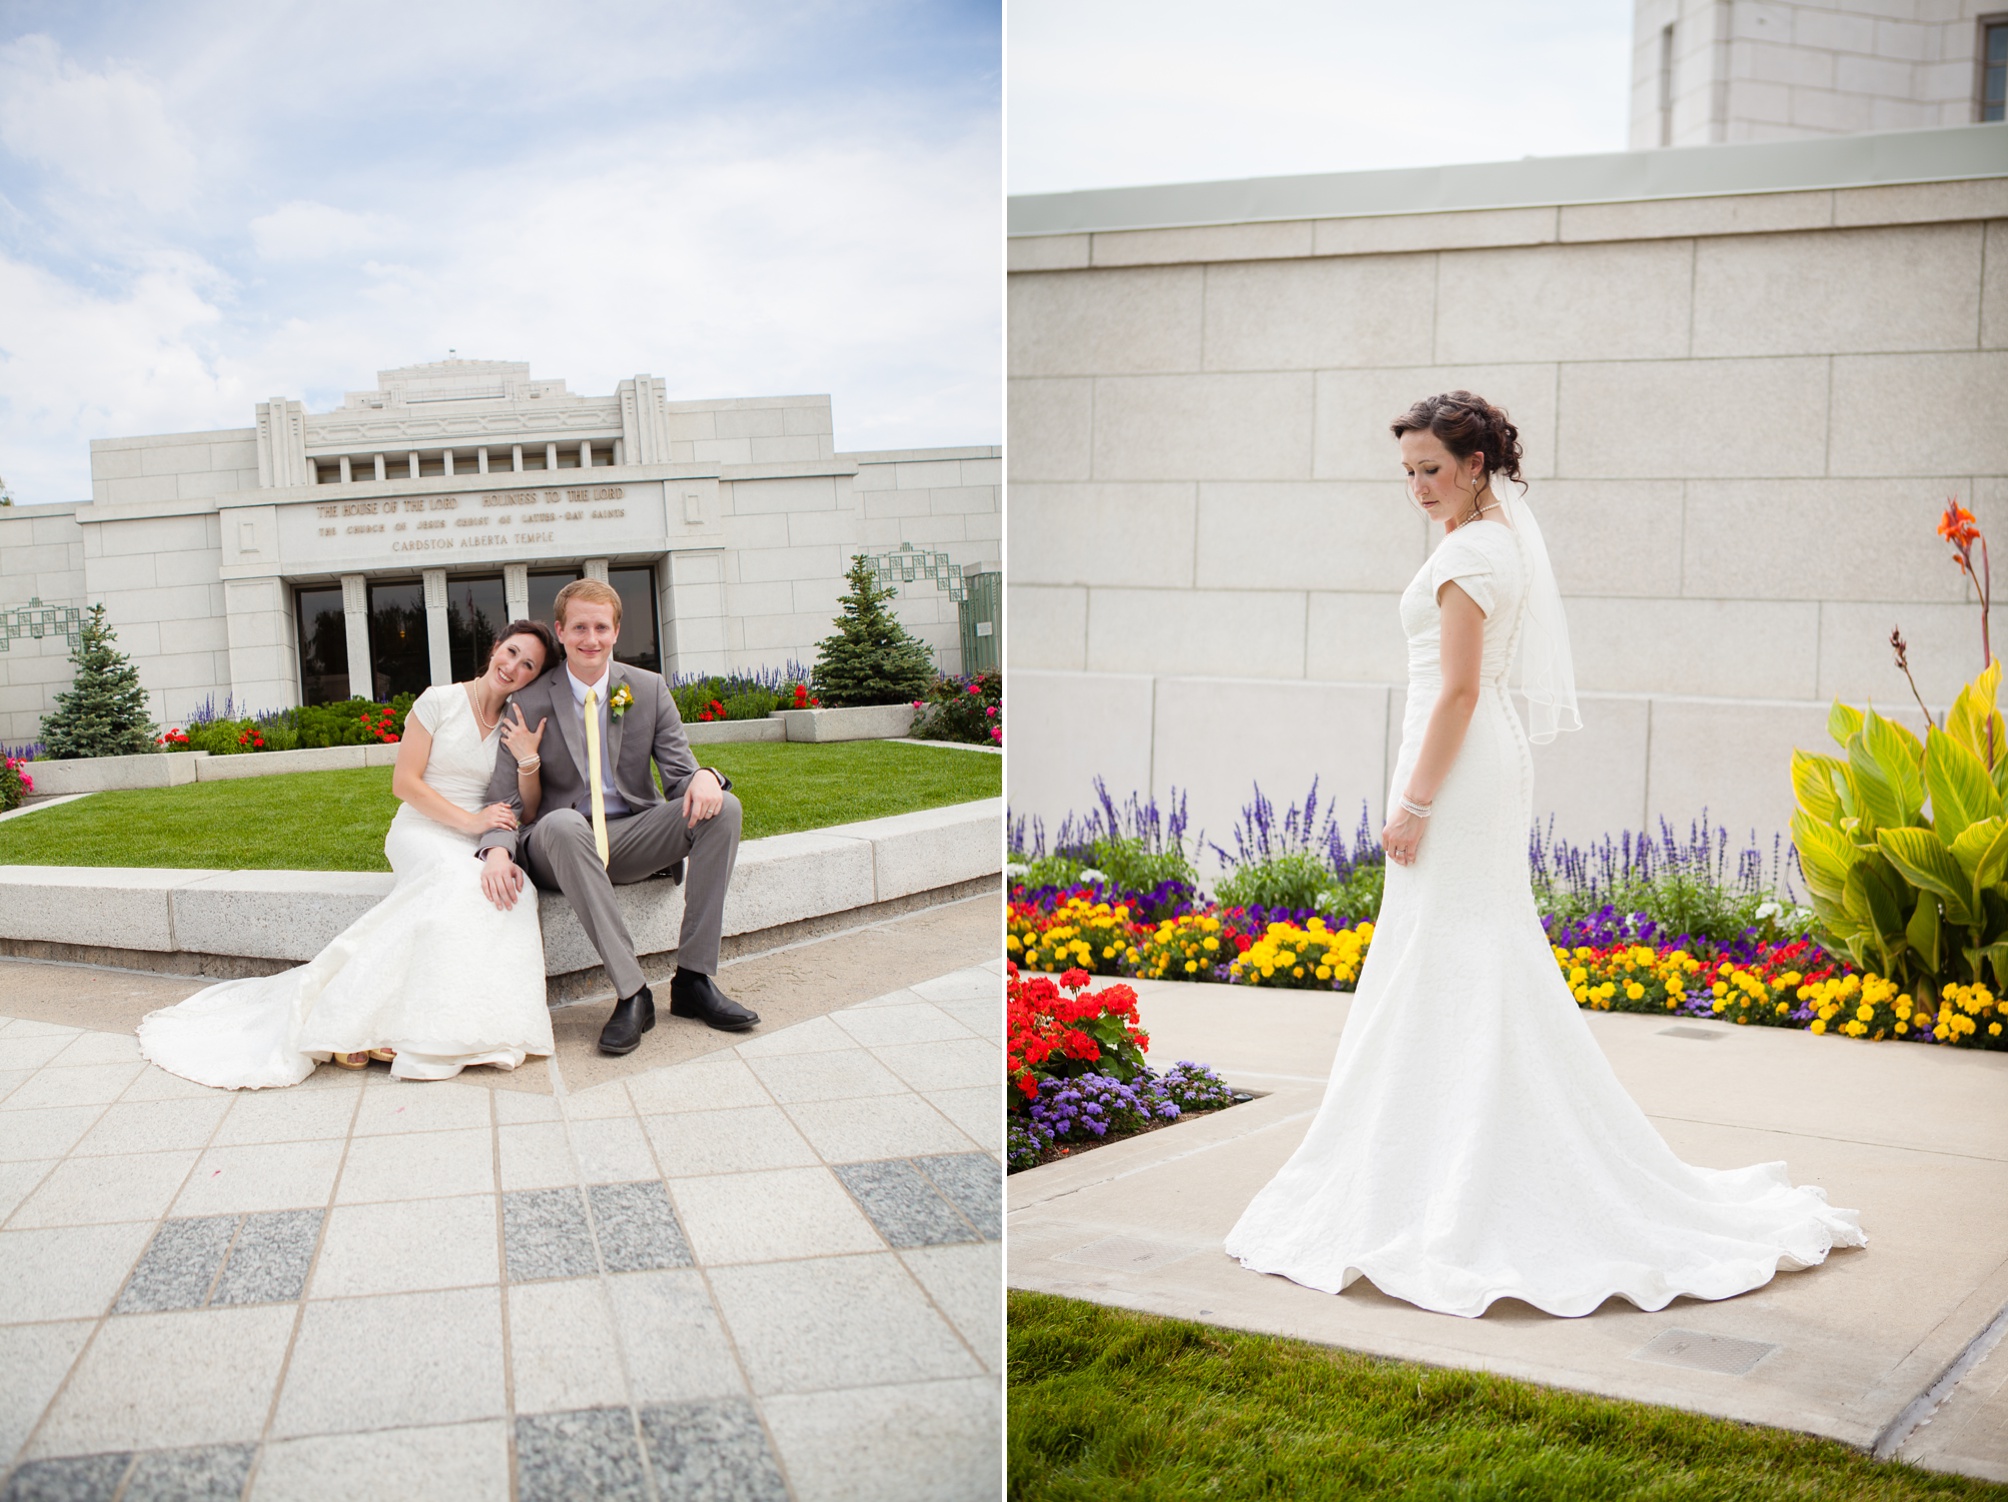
x=1109, y=1405
x=335, y=821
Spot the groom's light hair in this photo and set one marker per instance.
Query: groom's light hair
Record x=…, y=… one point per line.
x=591, y=591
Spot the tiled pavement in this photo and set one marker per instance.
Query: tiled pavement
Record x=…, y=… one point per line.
x=773, y=1271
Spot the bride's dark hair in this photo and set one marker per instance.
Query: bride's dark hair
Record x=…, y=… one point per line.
x=1466, y=425
x=537, y=629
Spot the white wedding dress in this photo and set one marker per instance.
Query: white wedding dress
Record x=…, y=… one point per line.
x=1473, y=1143
x=434, y=971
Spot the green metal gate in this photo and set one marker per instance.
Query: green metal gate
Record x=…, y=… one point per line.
x=982, y=614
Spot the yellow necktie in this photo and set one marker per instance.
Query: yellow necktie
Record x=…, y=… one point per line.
x=593, y=772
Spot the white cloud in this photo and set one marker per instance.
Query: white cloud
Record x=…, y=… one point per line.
x=307, y=231
x=1149, y=91
x=108, y=132
x=740, y=234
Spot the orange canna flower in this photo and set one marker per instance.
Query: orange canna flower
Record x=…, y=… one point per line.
x=1957, y=526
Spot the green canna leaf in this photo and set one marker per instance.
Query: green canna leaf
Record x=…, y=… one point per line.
x=1961, y=791
x=1919, y=856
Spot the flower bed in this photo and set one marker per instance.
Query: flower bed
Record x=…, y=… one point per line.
x=1076, y=1070
x=1611, y=962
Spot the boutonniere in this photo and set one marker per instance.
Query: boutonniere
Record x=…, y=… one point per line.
x=618, y=704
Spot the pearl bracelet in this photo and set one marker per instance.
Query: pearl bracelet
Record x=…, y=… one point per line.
x=1420, y=810
x=529, y=766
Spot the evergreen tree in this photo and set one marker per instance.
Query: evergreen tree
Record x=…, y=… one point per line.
x=104, y=713
x=872, y=658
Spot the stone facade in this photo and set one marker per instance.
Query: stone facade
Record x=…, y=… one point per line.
x=1706, y=71
x=742, y=511
x=1742, y=412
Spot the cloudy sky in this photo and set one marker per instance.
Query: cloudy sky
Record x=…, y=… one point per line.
x=204, y=203
x=1108, y=93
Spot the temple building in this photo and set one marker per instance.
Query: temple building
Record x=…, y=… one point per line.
x=374, y=549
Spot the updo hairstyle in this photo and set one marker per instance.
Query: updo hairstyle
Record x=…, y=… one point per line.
x=538, y=629
x=1467, y=425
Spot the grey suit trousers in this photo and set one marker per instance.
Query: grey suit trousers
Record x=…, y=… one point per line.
x=558, y=853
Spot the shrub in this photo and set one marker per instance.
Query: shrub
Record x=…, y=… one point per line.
x=963, y=709
x=104, y=711
x=871, y=658
x=16, y=782
x=1297, y=879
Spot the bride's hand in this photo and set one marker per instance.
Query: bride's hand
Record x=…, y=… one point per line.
x=494, y=816
x=522, y=741
x=1402, y=835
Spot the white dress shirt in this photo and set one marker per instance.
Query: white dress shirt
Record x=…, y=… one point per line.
x=616, y=806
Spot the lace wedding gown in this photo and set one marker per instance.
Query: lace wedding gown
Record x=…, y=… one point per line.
x=1473, y=1143
x=435, y=970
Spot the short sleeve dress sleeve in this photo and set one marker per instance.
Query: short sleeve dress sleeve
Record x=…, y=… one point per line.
x=430, y=707
x=1462, y=558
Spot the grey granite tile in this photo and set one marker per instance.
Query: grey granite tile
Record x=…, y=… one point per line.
x=270, y=1262
x=711, y=1450
x=544, y=1235
x=73, y=1478
x=205, y=1473
x=974, y=1184
x=179, y=1266
x=638, y=1227
x=903, y=1203
x=589, y=1452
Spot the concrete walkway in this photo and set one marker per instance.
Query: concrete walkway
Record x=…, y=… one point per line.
x=769, y=1271
x=1914, y=1137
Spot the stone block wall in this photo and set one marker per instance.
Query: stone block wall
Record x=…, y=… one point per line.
x=1767, y=70
x=173, y=466
x=1741, y=414
x=790, y=539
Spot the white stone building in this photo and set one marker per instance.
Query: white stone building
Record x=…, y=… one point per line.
x=1707, y=71
x=1747, y=377
x=367, y=549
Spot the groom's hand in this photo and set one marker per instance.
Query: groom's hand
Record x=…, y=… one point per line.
x=501, y=878
x=703, y=796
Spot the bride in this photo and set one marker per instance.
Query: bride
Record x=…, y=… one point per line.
x=1473, y=1143
x=432, y=979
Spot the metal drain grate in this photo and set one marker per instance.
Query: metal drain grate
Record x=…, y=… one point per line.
x=1129, y=1254
x=1706, y=1034
x=1704, y=1353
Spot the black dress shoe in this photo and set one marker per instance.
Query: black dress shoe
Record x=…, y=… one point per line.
x=633, y=1016
x=695, y=994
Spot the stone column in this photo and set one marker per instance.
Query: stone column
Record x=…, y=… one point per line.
x=348, y=473
x=516, y=457
x=618, y=461
x=438, y=639
x=585, y=456
x=596, y=568
x=693, y=611
x=550, y=456
x=449, y=463
x=356, y=615
x=481, y=460
x=414, y=464
x=516, y=585
x=380, y=468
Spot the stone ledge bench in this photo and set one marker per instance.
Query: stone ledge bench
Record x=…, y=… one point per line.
x=785, y=888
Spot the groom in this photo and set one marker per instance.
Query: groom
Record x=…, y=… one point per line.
x=602, y=823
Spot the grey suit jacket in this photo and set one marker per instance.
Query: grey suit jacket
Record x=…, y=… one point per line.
x=649, y=729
